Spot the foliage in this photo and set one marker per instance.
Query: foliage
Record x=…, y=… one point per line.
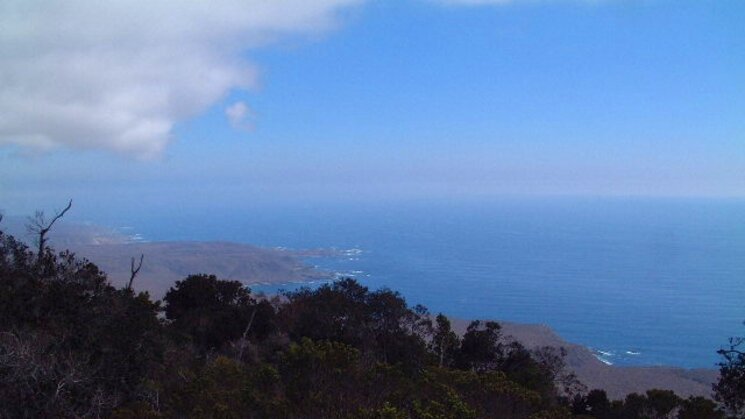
x=730, y=390
x=214, y=313
x=481, y=348
x=654, y=404
x=378, y=323
x=444, y=343
x=71, y=345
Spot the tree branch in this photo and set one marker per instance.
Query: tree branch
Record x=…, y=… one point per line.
x=134, y=271
x=41, y=227
x=245, y=333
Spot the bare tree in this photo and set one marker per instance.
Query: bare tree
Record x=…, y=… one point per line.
x=40, y=227
x=134, y=270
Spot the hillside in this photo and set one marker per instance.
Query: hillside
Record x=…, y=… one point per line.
x=167, y=262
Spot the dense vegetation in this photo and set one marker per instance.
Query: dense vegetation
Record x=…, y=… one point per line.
x=71, y=345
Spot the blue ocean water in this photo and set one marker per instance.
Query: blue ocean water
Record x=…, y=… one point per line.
x=643, y=282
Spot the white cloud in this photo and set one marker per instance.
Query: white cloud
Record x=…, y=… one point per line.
x=239, y=115
x=118, y=74
x=502, y=2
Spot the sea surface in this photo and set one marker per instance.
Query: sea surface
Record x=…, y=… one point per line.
x=641, y=282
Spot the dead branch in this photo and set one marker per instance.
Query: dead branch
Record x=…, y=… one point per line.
x=40, y=227
x=134, y=270
x=245, y=333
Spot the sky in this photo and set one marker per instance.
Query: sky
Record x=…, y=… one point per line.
x=136, y=106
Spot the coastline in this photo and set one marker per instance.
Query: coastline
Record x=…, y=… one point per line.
x=617, y=381
x=167, y=262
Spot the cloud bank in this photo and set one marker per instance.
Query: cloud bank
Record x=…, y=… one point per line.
x=118, y=74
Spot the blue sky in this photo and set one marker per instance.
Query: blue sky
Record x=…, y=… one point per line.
x=383, y=100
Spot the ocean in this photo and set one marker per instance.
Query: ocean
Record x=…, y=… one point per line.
x=639, y=281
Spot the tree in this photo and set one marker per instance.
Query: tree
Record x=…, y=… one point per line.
x=552, y=361
x=214, y=312
x=699, y=408
x=597, y=403
x=39, y=226
x=521, y=366
x=662, y=403
x=480, y=348
x=72, y=345
x=634, y=406
x=323, y=378
x=445, y=343
x=379, y=324
x=730, y=389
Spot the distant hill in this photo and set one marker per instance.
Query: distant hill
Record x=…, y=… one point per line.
x=168, y=262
